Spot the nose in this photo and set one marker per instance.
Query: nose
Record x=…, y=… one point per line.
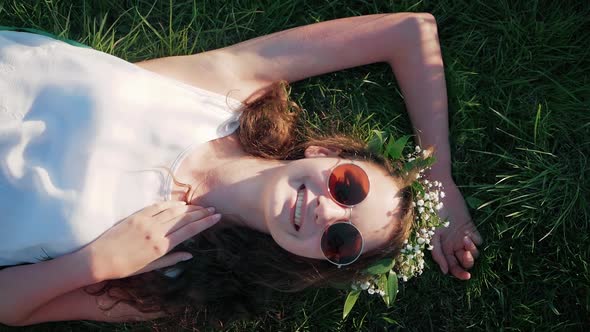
x=328, y=212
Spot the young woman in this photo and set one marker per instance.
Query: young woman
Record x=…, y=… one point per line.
x=88, y=140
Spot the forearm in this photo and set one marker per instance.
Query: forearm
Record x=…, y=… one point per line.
x=79, y=305
x=26, y=288
x=420, y=74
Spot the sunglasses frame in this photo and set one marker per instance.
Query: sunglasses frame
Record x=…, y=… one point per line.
x=348, y=220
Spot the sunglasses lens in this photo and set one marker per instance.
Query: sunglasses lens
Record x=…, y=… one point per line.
x=342, y=243
x=348, y=184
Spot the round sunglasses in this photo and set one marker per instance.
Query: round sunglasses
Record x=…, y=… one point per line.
x=342, y=243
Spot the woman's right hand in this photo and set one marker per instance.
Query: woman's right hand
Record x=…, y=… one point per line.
x=138, y=243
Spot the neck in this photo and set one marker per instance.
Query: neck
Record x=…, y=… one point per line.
x=225, y=177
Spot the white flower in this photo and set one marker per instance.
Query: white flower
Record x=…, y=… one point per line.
x=431, y=233
x=365, y=285
x=371, y=291
x=418, y=148
x=421, y=240
x=427, y=196
x=420, y=202
x=426, y=181
x=430, y=247
x=446, y=224
x=442, y=194
x=409, y=247
x=405, y=278
x=426, y=216
x=439, y=206
x=381, y=292
x=406, y=241
x=421, y=209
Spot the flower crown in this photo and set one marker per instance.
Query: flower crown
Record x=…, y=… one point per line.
x=381, y=278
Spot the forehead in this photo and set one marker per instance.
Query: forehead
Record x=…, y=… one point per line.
x=377, y=216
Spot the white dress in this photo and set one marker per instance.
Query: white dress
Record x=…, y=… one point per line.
x=84, y=139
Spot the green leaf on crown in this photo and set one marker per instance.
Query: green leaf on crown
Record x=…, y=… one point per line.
x=395, y=148
x=380, y=266
x=382, y=285
x=375, y=145
x=350, y=301
x=419, y=163
x=391, y=288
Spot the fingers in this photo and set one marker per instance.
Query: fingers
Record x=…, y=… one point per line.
x=476, y=237
x=156, y=208
x=470, y=246
x=455, y=269
x=174, y=212
x=165, y=261
x=437, y=254
x=466, y=258
x=191, y=229
x=190, y=216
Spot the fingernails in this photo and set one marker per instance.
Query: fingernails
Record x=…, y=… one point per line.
x=211, y=209
x=186, y=258
x=216, y=217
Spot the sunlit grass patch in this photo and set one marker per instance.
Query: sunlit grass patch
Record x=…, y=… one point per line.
x=518, y=77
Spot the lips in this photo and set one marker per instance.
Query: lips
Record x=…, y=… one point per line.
x=299, y=208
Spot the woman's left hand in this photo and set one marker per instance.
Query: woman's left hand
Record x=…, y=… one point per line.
x=455, y=247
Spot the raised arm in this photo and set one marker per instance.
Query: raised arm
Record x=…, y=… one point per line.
x=407, y=41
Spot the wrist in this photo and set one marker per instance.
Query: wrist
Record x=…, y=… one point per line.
x=442, y=174
x=87, y=260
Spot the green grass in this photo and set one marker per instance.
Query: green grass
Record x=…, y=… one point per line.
x=519, y=93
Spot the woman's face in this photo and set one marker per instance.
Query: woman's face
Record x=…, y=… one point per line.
x=375, y=217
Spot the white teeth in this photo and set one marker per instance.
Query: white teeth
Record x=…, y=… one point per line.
x=298, y=206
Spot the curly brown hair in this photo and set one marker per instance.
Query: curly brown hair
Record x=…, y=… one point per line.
x=236, y=270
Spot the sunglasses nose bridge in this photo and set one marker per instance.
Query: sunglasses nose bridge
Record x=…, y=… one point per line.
x=327, y=211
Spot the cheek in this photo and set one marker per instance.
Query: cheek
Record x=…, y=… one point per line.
x=309, y=248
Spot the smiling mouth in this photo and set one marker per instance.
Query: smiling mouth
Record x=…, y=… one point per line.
x=298, y=215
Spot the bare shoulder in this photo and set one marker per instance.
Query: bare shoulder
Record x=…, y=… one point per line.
x=208, y=70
